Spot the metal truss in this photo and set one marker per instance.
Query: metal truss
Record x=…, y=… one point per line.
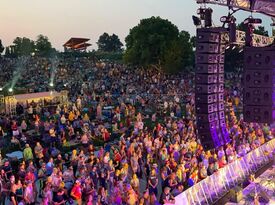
x=261, y=6
x=258, y=40
x=241, y=4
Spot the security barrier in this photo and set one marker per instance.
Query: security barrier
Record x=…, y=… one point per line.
x=218, y=184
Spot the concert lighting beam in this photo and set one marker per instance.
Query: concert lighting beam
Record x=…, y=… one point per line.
x=54, y=63
x=18, y=71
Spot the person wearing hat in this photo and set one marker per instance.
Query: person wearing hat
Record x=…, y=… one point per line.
x=166, y=196
x=76, y=192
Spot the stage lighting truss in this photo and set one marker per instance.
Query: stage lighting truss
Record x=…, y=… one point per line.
x=258, y=40
x=259, y=6
x=242, y=4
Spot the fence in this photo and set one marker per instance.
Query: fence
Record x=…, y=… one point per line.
x=209, y=190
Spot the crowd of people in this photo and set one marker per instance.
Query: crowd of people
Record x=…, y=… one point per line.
x=145, y=119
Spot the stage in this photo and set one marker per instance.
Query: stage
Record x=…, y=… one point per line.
x=264, y=186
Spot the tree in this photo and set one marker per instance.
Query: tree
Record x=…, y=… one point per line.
x=23, y=46
x=261, y=31
x=1, y=47
x=156, y=42
x=180, y=55
x=147, y=42
x=107, y=43
x=43, y=46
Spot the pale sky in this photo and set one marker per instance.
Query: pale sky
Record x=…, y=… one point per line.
x=62, y=19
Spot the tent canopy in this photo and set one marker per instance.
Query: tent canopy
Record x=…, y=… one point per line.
x=77, y=43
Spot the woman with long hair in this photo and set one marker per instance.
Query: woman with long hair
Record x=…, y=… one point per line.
x=153, y=183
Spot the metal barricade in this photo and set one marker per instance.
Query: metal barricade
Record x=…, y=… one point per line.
x=215, y=186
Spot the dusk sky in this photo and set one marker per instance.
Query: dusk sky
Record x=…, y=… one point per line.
x=62, y=19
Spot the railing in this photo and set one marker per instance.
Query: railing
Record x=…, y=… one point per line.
x=209, y=190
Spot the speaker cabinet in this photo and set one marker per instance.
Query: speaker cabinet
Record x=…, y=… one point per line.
x=220, y=97
x=207, y=68
x=221, y=88
x=207, y=98
x=221, y=115
x=207, y=118
x=220, y=106
x=259, y=58
x=221, y=78
x=213, y=48
x=206, y=78
x=259, y=114
x=206, y=89
x=259, y=96
x=221, y=68
x=206, y=108
x=259, y=78
x=209, y=58
x=207, y=37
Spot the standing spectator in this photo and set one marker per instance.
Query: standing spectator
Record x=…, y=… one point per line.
x=76, y=192
x=27, y=153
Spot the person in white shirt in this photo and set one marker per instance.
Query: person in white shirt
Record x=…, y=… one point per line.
x=78, y=103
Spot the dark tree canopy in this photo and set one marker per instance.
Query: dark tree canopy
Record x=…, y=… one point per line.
x=1, y=47
x=109, y=43
x=157, y=42
x=23, y=46
x=43, y=46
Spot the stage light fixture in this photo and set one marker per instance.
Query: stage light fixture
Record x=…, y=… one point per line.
x=251, y=20
x=1, y=89
x=51, y=84
x=10, y=90
x=196, y=20
x=208, y=17
x=200, y=11
x=227, y=19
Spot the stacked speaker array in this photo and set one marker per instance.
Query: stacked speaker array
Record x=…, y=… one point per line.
x=259, y=84
x=209, y=96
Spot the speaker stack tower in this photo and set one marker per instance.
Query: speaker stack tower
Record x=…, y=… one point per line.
x=259, y=84
x=209, y=94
